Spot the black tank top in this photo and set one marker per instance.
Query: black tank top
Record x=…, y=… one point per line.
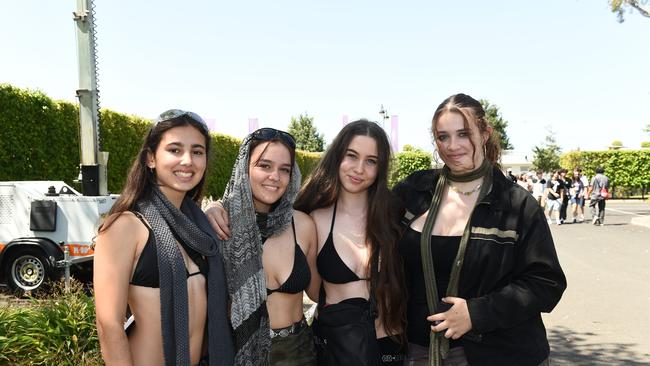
x=146, y=270
x=330, y=265
x=443, y=251
x=300, y=275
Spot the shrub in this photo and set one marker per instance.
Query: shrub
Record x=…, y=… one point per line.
x=407, y=162
x=625, y=168
x=57, y=330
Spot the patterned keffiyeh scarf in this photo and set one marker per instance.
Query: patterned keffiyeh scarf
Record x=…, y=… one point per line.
x=243, y=259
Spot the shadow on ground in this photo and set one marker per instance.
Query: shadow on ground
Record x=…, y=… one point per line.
x=583, y=349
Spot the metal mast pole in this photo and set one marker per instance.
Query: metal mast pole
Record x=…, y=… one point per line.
x=93, y=162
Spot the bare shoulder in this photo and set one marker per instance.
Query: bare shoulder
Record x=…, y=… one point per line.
x=302, y=218
x=124, y=227
x=322, y=216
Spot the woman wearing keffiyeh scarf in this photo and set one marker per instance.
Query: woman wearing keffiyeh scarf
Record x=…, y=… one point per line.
x=157, y=254
x=269, y=255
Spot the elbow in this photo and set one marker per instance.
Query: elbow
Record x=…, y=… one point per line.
x=109, y=330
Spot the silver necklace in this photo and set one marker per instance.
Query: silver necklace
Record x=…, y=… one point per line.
x=465, y=193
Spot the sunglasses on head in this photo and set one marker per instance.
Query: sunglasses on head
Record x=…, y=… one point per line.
x=177, y=113
x=268, y=134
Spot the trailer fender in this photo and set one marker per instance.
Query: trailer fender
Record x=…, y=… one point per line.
x=52, y=251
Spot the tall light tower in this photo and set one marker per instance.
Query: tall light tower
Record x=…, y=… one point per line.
x=93, y=161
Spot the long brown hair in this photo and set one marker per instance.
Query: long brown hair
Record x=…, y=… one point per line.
x=382, y=225
x=141, y=179
x=470, y=110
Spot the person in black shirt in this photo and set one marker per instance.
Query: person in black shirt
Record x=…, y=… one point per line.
x=479, y=258
x=565, y=186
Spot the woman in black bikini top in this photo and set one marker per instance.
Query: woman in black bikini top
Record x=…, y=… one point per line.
x=267, y=315
x=157, y=254
x=348, y=198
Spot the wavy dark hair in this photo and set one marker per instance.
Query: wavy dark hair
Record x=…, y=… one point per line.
x=382, y=226
x=470, y=109
x=141, y=179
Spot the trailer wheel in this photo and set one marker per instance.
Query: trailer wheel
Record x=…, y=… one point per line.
x=28, y=269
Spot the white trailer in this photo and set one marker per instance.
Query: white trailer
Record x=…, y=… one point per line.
x=38, y=221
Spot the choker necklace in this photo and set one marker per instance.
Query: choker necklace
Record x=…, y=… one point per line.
x=465, y=193
x=470, y=176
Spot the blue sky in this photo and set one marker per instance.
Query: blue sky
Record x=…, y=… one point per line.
x=567, y=65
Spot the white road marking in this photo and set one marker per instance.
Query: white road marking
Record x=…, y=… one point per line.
x=623, y=212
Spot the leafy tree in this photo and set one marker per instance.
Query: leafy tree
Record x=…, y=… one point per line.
x=645, y=144
x=647, y=128
x=620, y=6
x=495, y=119
x=617, y=143
x=307, y=137
x=547, y=156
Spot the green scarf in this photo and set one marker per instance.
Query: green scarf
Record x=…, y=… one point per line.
x=438, y=344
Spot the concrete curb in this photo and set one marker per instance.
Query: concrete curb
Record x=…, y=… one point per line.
x=641, y=221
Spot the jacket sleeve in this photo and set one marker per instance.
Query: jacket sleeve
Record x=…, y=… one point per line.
x=413, y=193
x=537, y=280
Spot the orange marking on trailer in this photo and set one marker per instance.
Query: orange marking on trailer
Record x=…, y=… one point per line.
x=80, y=250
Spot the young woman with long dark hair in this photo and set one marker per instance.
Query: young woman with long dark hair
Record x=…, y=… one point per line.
x=348, y=198
x=157, y=253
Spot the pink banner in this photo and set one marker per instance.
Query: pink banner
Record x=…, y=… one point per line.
x=344, y=120
x=393, y=132
x=252, y=124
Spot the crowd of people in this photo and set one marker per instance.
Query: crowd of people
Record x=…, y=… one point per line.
x=453, y=266
x=559, y=191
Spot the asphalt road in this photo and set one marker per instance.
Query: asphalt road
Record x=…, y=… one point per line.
x=604, y=315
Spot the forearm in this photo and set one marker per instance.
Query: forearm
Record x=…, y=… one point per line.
x=514, y=303
x=114, y=345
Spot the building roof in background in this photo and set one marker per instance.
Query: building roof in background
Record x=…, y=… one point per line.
x=515, y=157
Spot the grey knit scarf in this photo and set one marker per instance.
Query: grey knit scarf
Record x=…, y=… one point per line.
x=193, y=229
x=243, y=259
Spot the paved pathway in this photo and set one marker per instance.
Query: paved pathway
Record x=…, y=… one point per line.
x=604, y=315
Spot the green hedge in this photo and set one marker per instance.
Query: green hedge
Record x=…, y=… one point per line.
x=626, y=169
x=40, y=141
x=39, y=138
x=406, y=162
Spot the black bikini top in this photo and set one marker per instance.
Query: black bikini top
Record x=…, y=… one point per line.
x=146, y=270
x=300, y=275
x=330, y=265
